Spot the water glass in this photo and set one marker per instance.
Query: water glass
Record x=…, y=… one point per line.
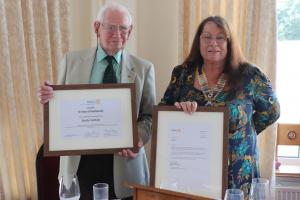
x=234, y=194
x=260, y=189
x=100, y=191
x=69, y=191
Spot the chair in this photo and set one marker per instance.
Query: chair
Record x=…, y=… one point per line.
x=47, y=169
x=287, y=134
x=288, y=169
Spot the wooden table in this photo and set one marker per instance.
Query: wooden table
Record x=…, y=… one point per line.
x=149, y=193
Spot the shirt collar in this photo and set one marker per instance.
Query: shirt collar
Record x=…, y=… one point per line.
x=101, y=55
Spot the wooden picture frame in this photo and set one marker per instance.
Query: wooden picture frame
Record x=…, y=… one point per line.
x=90, y=119
x=189, y=151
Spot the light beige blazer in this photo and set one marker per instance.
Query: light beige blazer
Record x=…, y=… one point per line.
x=75, y=68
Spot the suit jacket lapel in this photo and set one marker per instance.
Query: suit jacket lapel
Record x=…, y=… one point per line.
x=86, y=66
x=128, y=73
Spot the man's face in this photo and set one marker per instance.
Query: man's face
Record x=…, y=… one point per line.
x=114, y=31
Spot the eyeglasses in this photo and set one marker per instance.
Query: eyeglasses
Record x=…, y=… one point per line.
x=207, y=38
x=114, y=28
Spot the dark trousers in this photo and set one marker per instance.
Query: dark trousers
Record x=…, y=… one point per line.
x=95, y=169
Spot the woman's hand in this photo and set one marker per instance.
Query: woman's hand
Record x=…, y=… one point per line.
x=45, y=92
x=187, y=106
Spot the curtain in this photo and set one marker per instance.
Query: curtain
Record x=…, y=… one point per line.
x=254, y=22
x=33, y=36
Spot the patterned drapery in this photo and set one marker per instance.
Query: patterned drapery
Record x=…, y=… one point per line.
x=33, y=36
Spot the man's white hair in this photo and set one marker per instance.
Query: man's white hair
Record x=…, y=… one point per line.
x=113, y=6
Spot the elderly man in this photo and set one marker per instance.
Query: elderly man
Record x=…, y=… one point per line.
x=109, y=63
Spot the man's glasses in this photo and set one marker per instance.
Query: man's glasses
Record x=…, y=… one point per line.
x=208, y=39
x=114, y=28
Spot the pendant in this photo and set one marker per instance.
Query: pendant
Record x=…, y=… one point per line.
x=210, y=94
x=208, y=103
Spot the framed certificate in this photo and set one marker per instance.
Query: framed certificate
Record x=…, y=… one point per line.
x=90, y=119
x=189, y=151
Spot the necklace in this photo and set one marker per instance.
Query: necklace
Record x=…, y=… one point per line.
x=210, y=94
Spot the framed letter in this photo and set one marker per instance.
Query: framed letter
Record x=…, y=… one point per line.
x=90, y=119
x=189, y=151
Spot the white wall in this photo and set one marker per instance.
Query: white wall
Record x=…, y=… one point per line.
x=157, y=36
x=154, y=36
x=82, y=15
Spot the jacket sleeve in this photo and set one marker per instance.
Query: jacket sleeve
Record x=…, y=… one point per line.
x=62, y=70
x=147, y=102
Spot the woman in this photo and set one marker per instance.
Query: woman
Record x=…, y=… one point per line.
x=215, y=73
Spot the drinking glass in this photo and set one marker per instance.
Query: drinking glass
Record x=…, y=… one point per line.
x=260, y=189
x=234, y=194
x=100, y=191
x=69, y=191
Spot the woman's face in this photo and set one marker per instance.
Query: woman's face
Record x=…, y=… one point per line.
x=213, y=44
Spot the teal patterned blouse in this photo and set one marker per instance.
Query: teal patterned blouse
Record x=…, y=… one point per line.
x=251, y=110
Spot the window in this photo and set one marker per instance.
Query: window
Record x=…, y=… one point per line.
x=288, y=72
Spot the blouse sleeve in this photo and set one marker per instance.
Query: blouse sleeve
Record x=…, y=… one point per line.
x=266, y=105
x=172, y=92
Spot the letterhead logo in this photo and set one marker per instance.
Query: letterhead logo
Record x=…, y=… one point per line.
x=98, y=101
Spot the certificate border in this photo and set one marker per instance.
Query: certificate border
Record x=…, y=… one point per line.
x=75, y=88
x=154, y=146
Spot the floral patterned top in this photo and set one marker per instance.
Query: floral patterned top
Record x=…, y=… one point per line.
x=251, y=110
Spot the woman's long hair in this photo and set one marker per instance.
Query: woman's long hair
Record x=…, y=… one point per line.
x=234, y=58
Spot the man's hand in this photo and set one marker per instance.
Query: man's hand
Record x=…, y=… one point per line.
x=129, y=153
x=45, y=92
x=187, y=106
